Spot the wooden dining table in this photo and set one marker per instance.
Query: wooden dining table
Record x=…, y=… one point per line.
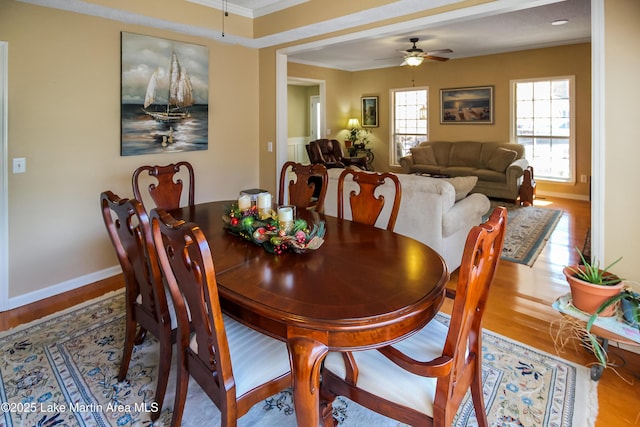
x=365, y=287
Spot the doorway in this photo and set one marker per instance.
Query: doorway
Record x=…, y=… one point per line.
x=305, y=116
x=314, y=118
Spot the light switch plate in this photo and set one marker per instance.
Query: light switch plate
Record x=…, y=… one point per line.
x=19, y=165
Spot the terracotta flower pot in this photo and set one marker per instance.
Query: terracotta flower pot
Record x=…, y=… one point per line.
x=589, y=297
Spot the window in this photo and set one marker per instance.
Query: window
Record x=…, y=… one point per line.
x=410, y=114
x=543, y=123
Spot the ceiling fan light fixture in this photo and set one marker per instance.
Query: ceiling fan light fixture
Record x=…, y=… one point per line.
x=414, y=61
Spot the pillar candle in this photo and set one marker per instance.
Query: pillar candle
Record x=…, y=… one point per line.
x=264, y=201
x=244, y=203
x=285, y=214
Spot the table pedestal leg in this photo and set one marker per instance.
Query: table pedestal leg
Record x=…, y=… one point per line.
x=306, y=352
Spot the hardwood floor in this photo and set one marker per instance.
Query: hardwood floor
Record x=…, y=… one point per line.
x=27, y=313
x=519, y=307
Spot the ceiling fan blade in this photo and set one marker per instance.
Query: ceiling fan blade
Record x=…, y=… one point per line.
x=436, y=58
x=439, y=51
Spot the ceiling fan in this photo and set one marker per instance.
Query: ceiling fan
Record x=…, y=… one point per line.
x=415, y=56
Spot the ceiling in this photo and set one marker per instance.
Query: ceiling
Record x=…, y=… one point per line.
x=487, y=28
x=495, y=31
x=467, y=36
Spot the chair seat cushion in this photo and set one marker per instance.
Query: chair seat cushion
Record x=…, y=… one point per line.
x=381, y=377
x=255, y=357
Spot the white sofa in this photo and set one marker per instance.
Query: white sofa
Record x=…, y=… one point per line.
x=428, y=212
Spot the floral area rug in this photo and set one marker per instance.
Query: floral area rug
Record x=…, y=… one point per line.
x=62, y=371
x=528, y=230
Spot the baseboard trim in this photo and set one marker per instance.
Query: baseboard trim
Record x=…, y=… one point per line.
x=563, y=195
x=38, y=305
x=62, y=287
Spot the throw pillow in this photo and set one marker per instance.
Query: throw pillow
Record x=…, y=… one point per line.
x=501, y=159
x=423, y=155
x=462, y=185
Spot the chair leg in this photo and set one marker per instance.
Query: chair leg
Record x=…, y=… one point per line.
x=478, y=399
x=326, y=407
x=326, y=414
x=182, y=384
x=228, y=419
x=142, y=333
x=163, y=371
x=129, y=340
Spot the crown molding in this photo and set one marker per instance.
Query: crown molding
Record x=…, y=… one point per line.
x=247, y=12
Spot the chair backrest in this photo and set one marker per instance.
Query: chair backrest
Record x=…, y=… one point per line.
x=186, y=261
x=128, y=226
x=482, y=252
x=166, y=192
x=309, y=188
x=365, y=205
x=325, y=151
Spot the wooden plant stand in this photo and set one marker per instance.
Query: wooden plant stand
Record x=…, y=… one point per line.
x=528, y=187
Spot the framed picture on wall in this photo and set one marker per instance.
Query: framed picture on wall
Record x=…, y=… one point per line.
x=466, y=105
x=164, y=100
x=369, y=111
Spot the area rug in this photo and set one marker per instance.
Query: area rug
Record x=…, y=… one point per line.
x=62, y=371
x=528, y=230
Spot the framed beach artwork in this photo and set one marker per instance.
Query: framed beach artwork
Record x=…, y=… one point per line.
x=466, y=105
x=369, y=111
x=164, y=96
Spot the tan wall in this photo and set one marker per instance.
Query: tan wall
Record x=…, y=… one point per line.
x=338, y=92
x=298, y=109
x=622, y=137
x=267, y=120
x=496, y=70
x=310, y=12
x=64, y=117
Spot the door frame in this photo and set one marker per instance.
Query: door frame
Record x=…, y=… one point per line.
x=4, y=177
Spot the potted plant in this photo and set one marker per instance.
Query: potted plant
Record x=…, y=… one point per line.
x=630, y=302
x=591, y=286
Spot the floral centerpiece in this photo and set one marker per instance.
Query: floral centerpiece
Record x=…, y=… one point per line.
x=357, y=137
x=265, y=230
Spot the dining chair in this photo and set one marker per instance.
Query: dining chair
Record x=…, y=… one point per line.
x=146, y=302
x=422, y=379
x=235, y=365
x=166, y=189
x=309, y=188
x=365, y=205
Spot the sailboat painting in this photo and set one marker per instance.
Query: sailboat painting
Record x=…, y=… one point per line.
x=165, y=96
